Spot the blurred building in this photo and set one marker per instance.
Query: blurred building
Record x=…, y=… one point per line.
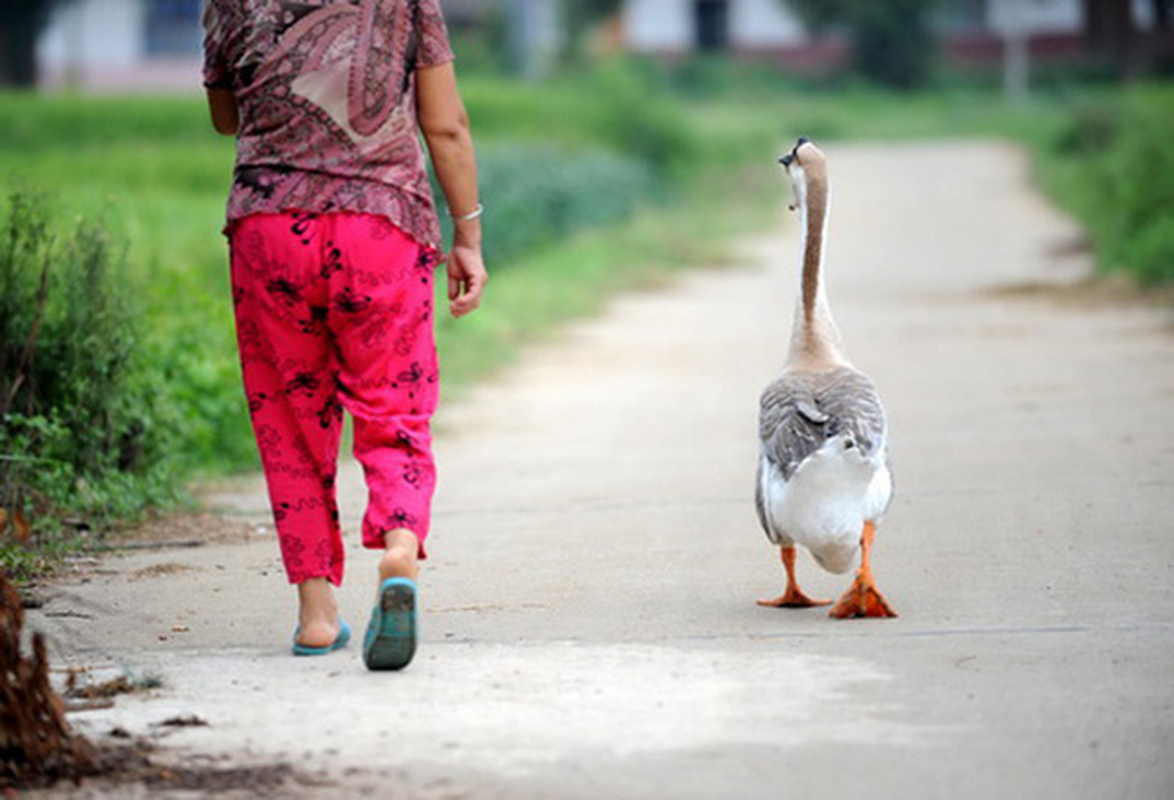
x=120, y=45
x=972, y=31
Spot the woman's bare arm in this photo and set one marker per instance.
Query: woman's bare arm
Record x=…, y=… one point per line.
x=445, y=125
x=222, y=105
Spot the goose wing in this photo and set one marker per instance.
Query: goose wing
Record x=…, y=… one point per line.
x=791, y=426
x=800, y=411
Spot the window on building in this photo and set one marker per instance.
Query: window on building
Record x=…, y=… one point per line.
x=712, y=24
x=172, y=27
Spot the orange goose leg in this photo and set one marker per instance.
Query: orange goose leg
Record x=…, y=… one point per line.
x=863, y=599
x=792, y=597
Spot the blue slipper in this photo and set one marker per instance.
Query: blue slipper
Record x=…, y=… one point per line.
x=344, y=636
x=390, y=642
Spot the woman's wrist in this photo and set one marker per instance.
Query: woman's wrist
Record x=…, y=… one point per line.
x=467, y=227
x=467, y=234
x=468, y=216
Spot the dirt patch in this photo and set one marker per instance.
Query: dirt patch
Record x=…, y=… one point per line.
x=120, y=765
x=159, y=571
x=159, y=532
x=79, y=687
x=182, y=530
x=267, y=779
x=101, y=690
x=1101, y=291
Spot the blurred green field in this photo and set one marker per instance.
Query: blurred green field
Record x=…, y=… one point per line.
x=594, y=182
x=558, y=167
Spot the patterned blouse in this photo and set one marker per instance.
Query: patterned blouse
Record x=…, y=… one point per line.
x=325, y=92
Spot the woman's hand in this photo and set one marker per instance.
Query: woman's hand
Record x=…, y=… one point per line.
x=466, y=276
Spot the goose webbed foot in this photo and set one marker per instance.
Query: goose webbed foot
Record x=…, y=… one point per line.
x=863, y=599
x=793, y=597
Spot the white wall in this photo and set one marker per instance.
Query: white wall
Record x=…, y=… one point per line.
x=764, y=23
x=1053, y=16
x=658, y=24
x=101, y=46
x=1037, y=16
x=106, y=33
x=669, y=25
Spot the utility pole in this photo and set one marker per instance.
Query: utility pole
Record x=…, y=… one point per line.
x=75, y=55
x=1012, y=24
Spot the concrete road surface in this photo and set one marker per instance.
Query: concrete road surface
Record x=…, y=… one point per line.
x=589, y=625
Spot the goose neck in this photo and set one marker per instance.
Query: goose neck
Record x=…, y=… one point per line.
x=814, y=218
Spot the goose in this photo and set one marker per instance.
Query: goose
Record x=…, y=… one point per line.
x=824, y=478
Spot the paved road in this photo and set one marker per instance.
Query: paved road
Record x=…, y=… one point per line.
x=589, y=625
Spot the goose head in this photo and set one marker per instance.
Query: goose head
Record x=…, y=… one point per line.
x=803, y=163
x=803, y=155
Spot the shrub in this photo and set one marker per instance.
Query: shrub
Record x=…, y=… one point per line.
x=1092, y=129
x=79, y=428
x=1127, y=199
x=1140, y=180
x=1150, y=253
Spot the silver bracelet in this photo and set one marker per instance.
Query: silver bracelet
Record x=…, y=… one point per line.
x=472, y=215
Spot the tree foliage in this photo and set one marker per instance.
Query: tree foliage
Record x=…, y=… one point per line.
x=892, y=42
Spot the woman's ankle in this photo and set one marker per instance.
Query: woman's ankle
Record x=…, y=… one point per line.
x=317, y=612
x=401, y=556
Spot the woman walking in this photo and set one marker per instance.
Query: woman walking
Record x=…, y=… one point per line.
x=334, y=240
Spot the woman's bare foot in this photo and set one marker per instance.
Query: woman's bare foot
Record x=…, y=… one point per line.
x=317, y=613
x=401, y=558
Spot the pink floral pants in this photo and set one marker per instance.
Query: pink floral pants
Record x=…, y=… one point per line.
x=334, y=311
